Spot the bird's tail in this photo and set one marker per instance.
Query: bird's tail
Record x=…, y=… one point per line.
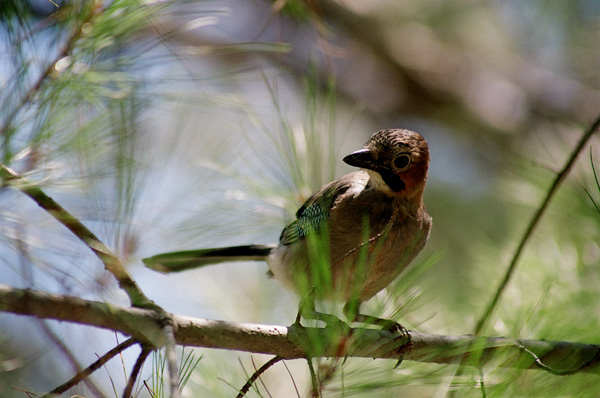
x=184, y=260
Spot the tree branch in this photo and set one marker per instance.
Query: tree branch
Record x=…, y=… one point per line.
x=294, y=342
x=171, y=357
x=111, y=262
x=158, y=332
x=137, y=368
x=534, y=222
x=244, y=390
x=82, y=375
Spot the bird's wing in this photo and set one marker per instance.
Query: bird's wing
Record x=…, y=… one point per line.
x=315, y=212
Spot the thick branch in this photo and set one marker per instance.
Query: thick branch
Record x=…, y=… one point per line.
x=141, y=324
x=295, y=341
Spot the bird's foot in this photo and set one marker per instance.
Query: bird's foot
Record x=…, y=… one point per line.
x=403, y=335
x=336, y=334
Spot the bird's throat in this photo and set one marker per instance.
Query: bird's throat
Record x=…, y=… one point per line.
x=392, y=180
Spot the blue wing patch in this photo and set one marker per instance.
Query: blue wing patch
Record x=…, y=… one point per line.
x=314, y=213
x=307, y=223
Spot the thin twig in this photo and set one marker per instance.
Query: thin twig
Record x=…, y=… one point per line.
x=257, y=374
x=64, y=349
x=261, y=381
x=533, y=224
x=597, y=182
x=92, y=368
x=139, y=363
x=152, y=393
x=313, y=378
x=111, y=262
x=171, y=357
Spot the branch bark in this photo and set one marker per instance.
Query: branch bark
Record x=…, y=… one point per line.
x=296, y=342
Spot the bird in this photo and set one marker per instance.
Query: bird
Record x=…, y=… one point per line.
x=352, y=237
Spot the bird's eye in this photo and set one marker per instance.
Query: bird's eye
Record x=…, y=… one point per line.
x=402, y=161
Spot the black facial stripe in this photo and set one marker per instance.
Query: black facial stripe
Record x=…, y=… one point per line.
x=392, y=180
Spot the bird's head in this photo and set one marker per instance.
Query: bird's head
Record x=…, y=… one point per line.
x=397, y=161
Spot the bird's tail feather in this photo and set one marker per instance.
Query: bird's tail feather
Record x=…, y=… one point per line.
x=184, y=260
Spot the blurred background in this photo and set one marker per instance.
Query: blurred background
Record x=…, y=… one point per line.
x=180, y=125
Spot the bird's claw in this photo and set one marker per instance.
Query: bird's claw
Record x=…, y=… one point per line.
x=402, y=335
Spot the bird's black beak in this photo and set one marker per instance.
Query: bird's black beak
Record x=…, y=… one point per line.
x=362, y=158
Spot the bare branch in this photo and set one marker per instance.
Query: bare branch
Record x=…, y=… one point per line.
x=146, y=350
x=171, y=356
x=143, y=325
x=81, y=374
x=256, y=375
x=92, y=368
x=296, y=342
x=534, y=222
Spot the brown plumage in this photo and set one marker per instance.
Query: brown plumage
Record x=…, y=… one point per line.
x=374, y=219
